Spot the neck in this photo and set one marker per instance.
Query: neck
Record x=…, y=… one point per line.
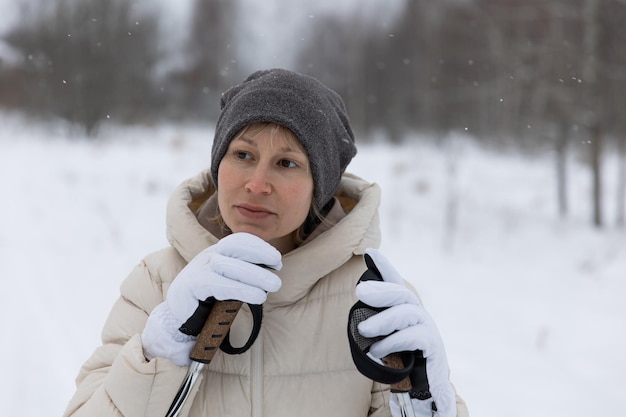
x=284, y=244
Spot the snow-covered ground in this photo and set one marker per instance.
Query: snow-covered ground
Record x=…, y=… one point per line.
x=531, y=307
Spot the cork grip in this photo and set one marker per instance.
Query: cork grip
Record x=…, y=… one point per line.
x=214, y=330
x=395, y=361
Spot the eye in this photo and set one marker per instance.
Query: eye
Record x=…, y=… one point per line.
x=286, y=163
x=242, y=155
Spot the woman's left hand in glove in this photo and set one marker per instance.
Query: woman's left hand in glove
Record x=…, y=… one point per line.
x=406, y=326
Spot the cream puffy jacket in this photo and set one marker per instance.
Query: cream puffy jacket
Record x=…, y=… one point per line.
x=300, y=364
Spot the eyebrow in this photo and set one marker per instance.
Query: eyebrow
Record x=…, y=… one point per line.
x=283, y=149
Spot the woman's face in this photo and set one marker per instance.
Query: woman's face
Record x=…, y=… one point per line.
x=265, y=186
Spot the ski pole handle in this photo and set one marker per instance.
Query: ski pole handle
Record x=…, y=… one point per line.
x=214, y=330
x=395, y=361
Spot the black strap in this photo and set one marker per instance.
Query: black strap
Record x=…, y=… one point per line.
x=359, y=347
x=419, y=378
x=257, y=317
x=414, y=362
x=194, y=325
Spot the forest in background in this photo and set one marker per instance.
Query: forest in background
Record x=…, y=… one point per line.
x=532, y=75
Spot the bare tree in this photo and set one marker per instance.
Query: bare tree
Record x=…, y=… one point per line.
x=211, y=52
x=612, y=16
x=334, y=54
x=86, y=60
x=594, y=111
x=621, y=182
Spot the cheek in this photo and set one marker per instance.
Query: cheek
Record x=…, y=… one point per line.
x=301, y=191
x=222, y=175
x=225, y=184
x=303, y=196
x=227, y=177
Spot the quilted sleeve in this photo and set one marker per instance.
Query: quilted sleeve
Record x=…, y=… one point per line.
x=117, y=380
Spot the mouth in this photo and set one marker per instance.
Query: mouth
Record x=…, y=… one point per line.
x=252, y=211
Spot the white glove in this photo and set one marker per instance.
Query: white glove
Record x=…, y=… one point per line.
x=409, y=328
x=232, y=269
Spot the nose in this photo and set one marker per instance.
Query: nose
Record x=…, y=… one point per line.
x=258, y=183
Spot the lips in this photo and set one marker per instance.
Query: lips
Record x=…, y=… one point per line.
x=252, y=211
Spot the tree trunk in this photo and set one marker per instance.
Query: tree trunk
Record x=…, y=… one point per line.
x=621, y=180
x=561, y=168
x=596, y=168
x=590, y=74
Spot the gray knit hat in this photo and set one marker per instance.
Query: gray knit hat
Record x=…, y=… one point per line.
x=312, y=111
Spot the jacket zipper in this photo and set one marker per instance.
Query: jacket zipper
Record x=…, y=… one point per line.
x=256, y=376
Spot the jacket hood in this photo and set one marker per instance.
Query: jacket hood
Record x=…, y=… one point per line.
x=303, y=266
x=183, y=231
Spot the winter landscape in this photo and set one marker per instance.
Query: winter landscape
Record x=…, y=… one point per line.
x=531, y=307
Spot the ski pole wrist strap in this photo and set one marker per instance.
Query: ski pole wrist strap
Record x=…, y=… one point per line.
x=194, y=324
x=414, y=363
x=359, y=347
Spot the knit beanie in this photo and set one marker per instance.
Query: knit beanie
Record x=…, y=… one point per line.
x=312, y=111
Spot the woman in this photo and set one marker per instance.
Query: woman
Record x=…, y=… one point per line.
x=275, y=222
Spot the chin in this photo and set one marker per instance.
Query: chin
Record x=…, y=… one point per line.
x=253, y=231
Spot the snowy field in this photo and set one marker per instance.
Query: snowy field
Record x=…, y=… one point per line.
x=531, y=307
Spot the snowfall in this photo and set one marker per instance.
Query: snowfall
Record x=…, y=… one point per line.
x=530, y=306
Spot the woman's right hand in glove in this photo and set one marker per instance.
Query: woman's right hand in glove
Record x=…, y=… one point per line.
x=235, y=268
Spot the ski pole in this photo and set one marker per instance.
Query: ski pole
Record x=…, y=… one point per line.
x=209, y=340
x=402, y=388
